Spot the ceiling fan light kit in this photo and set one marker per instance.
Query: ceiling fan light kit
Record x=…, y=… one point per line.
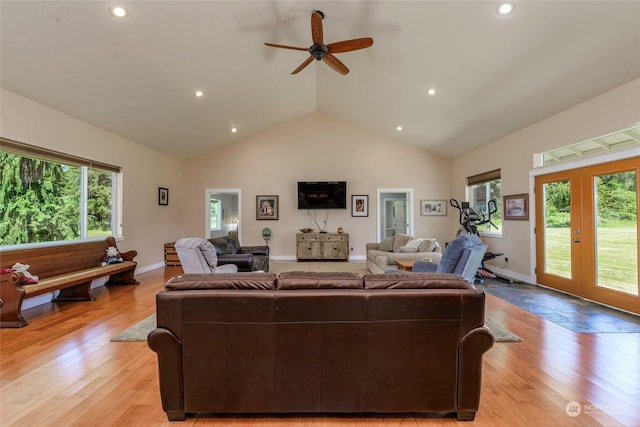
x=324, y=52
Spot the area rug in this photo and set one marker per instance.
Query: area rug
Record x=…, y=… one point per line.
x=140, y=330
x=137, y=332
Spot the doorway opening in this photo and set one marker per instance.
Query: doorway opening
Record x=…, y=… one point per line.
x=395, y=212
x=222, y=212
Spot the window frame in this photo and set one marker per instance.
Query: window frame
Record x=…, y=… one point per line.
x=486, y=179
x=85, y=165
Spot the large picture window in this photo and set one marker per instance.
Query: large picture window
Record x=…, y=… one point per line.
x=481, y=189
x=48, y=196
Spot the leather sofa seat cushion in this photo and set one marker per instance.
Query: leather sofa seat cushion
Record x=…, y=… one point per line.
x=183, y=282
x=416, y=281
x=318, y=280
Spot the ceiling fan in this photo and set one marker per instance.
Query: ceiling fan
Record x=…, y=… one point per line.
x=324, y=52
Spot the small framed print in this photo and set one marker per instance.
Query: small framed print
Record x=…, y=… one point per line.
x=267, y=207
x=516, y=206
x=163, y=196
x=433, y=207
x=360, y=205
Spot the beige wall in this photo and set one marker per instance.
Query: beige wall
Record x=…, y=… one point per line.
x=513, y=154
x=146, y=225
x=312, y=147
x=316, y=147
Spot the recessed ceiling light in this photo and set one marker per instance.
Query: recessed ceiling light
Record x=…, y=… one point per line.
x=505, y=8
x=199, y=93
x=119, y=11
x=234, y=130
x=399, y=128
x=431, y=91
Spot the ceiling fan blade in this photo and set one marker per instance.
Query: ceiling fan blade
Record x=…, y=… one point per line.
x=306, y=49
x=349, y=45
x=308, y=61
x=336, y=64
x=316, y=28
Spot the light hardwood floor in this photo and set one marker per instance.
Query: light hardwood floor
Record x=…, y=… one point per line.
x=62, y=370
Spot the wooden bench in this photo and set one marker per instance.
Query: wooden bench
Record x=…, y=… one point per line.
x=69, y=268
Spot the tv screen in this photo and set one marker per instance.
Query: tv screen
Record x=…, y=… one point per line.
x=322, y=195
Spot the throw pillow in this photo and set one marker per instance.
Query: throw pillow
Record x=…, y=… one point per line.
x=400, y=240
x=415, y=243
x=387, y=244
x=407, y=249
x=427, y=245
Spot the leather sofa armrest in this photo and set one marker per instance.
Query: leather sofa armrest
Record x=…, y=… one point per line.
x=241, y=260
x=470, y=350
x=169, y=350
x=255, y=250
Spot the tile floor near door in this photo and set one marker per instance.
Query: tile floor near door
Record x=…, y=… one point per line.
x=570, y=312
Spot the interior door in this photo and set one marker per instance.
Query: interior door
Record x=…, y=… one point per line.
x=587, y=232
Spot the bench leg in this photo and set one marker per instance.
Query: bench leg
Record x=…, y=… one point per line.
x=123, y=278
x=11, y=307
x=81, y=292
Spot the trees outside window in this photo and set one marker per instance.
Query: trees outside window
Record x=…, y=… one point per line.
x=44, y=201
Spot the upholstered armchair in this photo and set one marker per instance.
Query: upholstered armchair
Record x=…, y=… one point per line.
x=463, y=255
x=198, y=255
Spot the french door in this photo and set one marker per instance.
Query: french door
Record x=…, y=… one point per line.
x=587, y=232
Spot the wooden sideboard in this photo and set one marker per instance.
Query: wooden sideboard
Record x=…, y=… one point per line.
x=322, y=246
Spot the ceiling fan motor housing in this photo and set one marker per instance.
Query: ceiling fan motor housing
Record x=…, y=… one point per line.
x=319, y=51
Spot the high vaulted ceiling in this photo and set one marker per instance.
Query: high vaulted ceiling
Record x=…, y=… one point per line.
x=493, y=74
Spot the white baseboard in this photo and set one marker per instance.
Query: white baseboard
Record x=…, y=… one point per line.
x=293, y=258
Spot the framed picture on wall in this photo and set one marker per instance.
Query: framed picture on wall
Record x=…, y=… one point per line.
x=516, y=206
x=163, y=196
x=433, y=207
x=267, y=207
x=359, y=205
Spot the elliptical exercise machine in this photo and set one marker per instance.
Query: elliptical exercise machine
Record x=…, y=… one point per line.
x=469, y=220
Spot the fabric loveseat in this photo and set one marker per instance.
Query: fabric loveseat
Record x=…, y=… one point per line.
x=383, y=256
x=307, y=342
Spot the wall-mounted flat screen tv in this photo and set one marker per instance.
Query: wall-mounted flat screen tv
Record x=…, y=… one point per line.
x=322, y=195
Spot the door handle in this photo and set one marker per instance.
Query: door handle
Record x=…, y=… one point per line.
x=576, y=240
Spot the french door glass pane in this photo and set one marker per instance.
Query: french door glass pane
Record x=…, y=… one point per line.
x=557, y=228
x=616, y=222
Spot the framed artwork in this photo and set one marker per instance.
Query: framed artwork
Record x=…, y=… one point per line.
x=516, y=206
x=359, y=205
x=433, y=207
x=163, y=196
x=267, y=207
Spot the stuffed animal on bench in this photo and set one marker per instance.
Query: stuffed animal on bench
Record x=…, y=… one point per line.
x=29, y=279
x=112, y=256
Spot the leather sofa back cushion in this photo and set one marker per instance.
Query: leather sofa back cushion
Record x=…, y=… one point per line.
x=318, y=280
x=223, y=246
x=415, y=281
x=183, y=282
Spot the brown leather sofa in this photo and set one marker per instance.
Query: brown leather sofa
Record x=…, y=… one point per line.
x=320, y=343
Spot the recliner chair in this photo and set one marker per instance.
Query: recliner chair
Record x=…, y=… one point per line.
x=198, y=255
x=463, y=255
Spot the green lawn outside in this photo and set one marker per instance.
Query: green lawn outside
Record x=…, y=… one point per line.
x=617, y=263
